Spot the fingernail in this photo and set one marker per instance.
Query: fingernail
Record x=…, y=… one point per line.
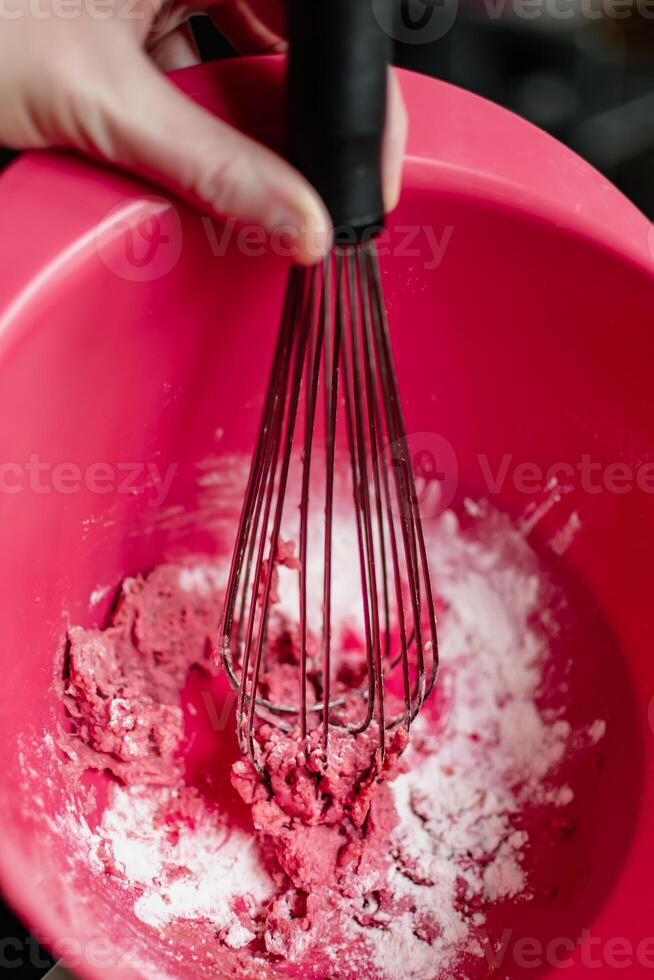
x=320, y=242
x=301, y=237
x=284, y=228
x=281, y=219
x=392, y=191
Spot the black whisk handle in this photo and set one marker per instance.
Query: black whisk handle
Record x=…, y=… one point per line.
x=337, y=77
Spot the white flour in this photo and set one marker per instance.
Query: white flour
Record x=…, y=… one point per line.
x=456, y=805
x=194, y=877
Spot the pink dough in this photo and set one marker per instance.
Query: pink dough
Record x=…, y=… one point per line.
x=121, y=685
x=323, y=820
x=327, y=865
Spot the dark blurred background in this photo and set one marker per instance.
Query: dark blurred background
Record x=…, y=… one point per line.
x=589, y=82
x=581, y=69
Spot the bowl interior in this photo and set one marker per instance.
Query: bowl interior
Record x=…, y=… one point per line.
x=524, y=356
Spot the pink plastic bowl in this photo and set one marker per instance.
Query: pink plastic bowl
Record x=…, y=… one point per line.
x=520, y=286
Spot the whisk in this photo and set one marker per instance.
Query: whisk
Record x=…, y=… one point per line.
x=333, y=403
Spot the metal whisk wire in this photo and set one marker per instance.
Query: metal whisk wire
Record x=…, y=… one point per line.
x=334, y=335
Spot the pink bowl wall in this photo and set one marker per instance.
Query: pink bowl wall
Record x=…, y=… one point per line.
x=532, y=337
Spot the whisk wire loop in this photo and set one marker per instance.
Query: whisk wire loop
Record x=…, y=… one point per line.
x=333, y=369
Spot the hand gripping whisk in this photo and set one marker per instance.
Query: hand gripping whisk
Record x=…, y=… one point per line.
x=333, y=407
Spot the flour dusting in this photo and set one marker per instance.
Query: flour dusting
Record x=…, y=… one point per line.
x=183, y=875
x=488, y=751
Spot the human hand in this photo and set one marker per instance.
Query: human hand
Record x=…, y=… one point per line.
x=94, y=82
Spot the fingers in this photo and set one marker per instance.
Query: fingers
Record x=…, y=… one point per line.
x=176, y=50
x=394, y=143
x=157, y=131
x=255, y=26
x=245, y=29
x=272, y=13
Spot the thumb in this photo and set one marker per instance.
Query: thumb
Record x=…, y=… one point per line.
x=152, y=128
